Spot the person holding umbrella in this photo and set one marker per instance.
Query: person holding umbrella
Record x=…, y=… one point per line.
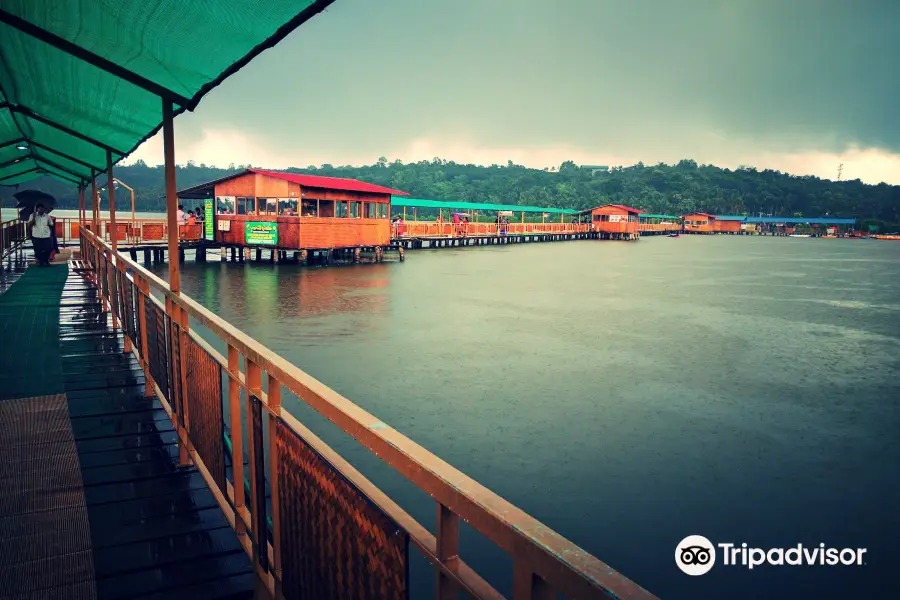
x=36, y=207
x=42, y=235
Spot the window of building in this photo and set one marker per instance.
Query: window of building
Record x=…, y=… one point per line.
x=326, y=208
x=287, y=207
x=246, y=206
x=383, y=210
x=224, y=205
x=355, y=210
x=309, y=208
x=371, y=210
x=267, y=206
x=340, y=210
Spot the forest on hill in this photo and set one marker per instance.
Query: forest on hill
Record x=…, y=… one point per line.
x=669, y=189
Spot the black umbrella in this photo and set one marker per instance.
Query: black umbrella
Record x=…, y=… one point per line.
x=29, y=199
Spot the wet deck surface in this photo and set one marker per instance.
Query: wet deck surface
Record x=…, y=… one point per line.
x=155, y=529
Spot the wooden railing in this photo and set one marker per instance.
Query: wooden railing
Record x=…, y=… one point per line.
x=12, y=236
x=129, y=232
x=321, y=509
x=664, y=227
x=434, y=229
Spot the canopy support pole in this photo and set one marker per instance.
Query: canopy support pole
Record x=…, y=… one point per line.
x=81, y=205
x=110, y=187
x=95, y=204
x=171, y=196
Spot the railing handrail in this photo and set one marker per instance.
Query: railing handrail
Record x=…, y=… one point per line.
x=546, y=553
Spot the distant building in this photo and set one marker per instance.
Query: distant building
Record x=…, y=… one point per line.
x=615, y=222
x=594, y=169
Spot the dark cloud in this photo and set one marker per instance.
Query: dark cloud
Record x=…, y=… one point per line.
x=640, y=77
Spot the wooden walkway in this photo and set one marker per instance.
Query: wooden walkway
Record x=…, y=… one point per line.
x=152, y=529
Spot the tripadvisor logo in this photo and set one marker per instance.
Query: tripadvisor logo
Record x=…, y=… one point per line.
x=696, y=555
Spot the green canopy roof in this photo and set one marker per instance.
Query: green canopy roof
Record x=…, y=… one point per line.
x=648, y=216
x=81, y=78
x=419, y=203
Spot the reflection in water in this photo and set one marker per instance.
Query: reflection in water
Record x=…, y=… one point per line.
x=266, y=299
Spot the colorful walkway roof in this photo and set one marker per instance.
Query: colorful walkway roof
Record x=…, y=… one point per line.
x=653, y=216
x=78, y=81
x=439, y=204
x=810, y=220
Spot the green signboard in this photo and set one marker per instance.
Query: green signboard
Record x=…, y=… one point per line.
x=261, y=233
x=208, y=219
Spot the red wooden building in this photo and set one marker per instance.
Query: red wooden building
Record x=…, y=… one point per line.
x=294, y=212
x=615, y=222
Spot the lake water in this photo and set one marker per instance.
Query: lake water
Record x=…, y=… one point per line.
x=627, y=395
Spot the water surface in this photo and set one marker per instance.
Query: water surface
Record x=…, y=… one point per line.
x=627, y=395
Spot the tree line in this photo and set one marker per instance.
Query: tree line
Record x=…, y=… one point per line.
x=668, y=189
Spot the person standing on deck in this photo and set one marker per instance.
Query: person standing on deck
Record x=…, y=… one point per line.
x=42, y=225
x=180, y=214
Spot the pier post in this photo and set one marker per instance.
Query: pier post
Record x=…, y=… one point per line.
x=171, y=195
x=147, y=256
x=181, y=254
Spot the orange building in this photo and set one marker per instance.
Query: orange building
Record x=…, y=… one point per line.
x=706, y=223
x=615, y=222
x=729, y=225
x=699, y=223
x=288, y=211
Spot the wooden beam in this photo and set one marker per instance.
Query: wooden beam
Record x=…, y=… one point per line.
x=61, y=176
x=63, y=155
x=57, y=166
x=21, y=173
x=22, y=110
x=91, y=58
x=11, y=142
x=9, y=163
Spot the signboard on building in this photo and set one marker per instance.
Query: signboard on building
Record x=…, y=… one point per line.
x=208, y=216
x=261, y=233
x=616, y=218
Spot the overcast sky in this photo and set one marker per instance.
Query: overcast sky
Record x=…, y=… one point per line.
x=795, y=85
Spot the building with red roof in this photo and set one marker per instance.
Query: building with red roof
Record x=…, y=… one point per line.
x=293, y=211
x=701, y=222
x=615, y=222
